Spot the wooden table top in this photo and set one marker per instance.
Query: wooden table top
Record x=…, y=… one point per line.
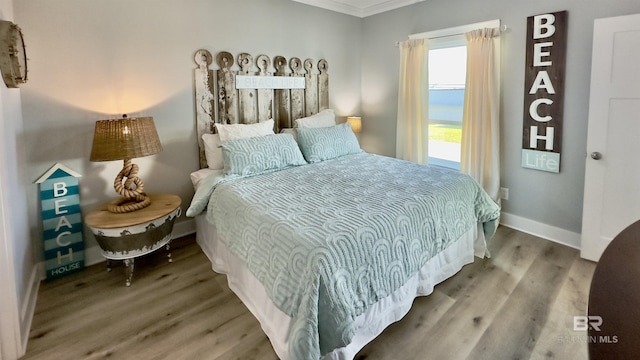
x=615, y=297
x=161, y=205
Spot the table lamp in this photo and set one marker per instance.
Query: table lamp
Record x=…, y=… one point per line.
x=356, y=123
x=125, y=139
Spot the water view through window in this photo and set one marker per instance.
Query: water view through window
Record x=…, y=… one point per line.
x=447, y=73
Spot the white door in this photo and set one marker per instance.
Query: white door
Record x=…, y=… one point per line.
x=612, y=175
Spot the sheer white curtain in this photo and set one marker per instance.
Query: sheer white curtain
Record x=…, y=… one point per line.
x=412, y=136
x=480, y=156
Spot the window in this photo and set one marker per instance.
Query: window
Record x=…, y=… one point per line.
x=447, y=73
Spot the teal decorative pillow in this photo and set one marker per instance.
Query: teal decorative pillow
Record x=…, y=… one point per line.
x=324, y=143
x=256, y=155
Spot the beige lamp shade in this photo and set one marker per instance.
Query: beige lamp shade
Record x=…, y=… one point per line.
x=356, y=123
x=125, y=138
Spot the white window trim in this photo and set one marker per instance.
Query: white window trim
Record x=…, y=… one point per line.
x=457, y=30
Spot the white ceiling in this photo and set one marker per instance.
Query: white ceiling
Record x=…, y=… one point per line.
x=359, y=8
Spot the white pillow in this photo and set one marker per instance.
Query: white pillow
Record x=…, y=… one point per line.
x=239, y=131
x=213, y=151
x=322, y=119
x=198, y=175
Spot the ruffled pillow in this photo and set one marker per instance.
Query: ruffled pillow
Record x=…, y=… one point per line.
x=240, y=131
x=322, y=119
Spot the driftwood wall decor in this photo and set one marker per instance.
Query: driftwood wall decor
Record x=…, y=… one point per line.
x=290, y=90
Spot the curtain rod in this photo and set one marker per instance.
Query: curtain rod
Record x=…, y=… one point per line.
x=502, y=28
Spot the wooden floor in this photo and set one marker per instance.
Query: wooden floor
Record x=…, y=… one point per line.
x=519, y=304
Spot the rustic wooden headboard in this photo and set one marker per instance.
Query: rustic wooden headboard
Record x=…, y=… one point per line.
x=279, y=96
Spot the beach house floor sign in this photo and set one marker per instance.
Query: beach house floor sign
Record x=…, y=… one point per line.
x=61, y=221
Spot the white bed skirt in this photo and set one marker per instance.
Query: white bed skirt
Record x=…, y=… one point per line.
x=275, y=323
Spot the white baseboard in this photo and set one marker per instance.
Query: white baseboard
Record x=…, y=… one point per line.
x=28, y=308
x=184, y=228
x=548, y=232
x=92, y=256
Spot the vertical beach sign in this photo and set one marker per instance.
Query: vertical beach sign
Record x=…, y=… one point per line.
x=61, y=221
x=544, y=91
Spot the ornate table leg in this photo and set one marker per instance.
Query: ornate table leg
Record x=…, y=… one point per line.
x=108, y=265
x=128, y=264
x=168, y=247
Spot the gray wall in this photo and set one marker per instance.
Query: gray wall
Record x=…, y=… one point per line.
x=92, y=60
x=552, y=199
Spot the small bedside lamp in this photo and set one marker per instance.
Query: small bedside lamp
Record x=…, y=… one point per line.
x=356, y=123
x=125, y=139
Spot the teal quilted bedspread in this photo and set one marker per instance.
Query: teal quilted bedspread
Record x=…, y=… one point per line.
x=329, y=239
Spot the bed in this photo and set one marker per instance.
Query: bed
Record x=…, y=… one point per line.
x=324, y=243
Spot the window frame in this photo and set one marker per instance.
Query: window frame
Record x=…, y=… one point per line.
x=453, y=41
x=454, y=36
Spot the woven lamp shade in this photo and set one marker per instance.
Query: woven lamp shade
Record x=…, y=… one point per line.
x=125, y=138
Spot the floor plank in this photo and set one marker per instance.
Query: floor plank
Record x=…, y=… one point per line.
x=485, y=286
x=519, y=303
x=555, y=338
x=516, y=331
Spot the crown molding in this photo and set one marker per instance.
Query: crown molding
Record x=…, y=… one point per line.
x=345, y=7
